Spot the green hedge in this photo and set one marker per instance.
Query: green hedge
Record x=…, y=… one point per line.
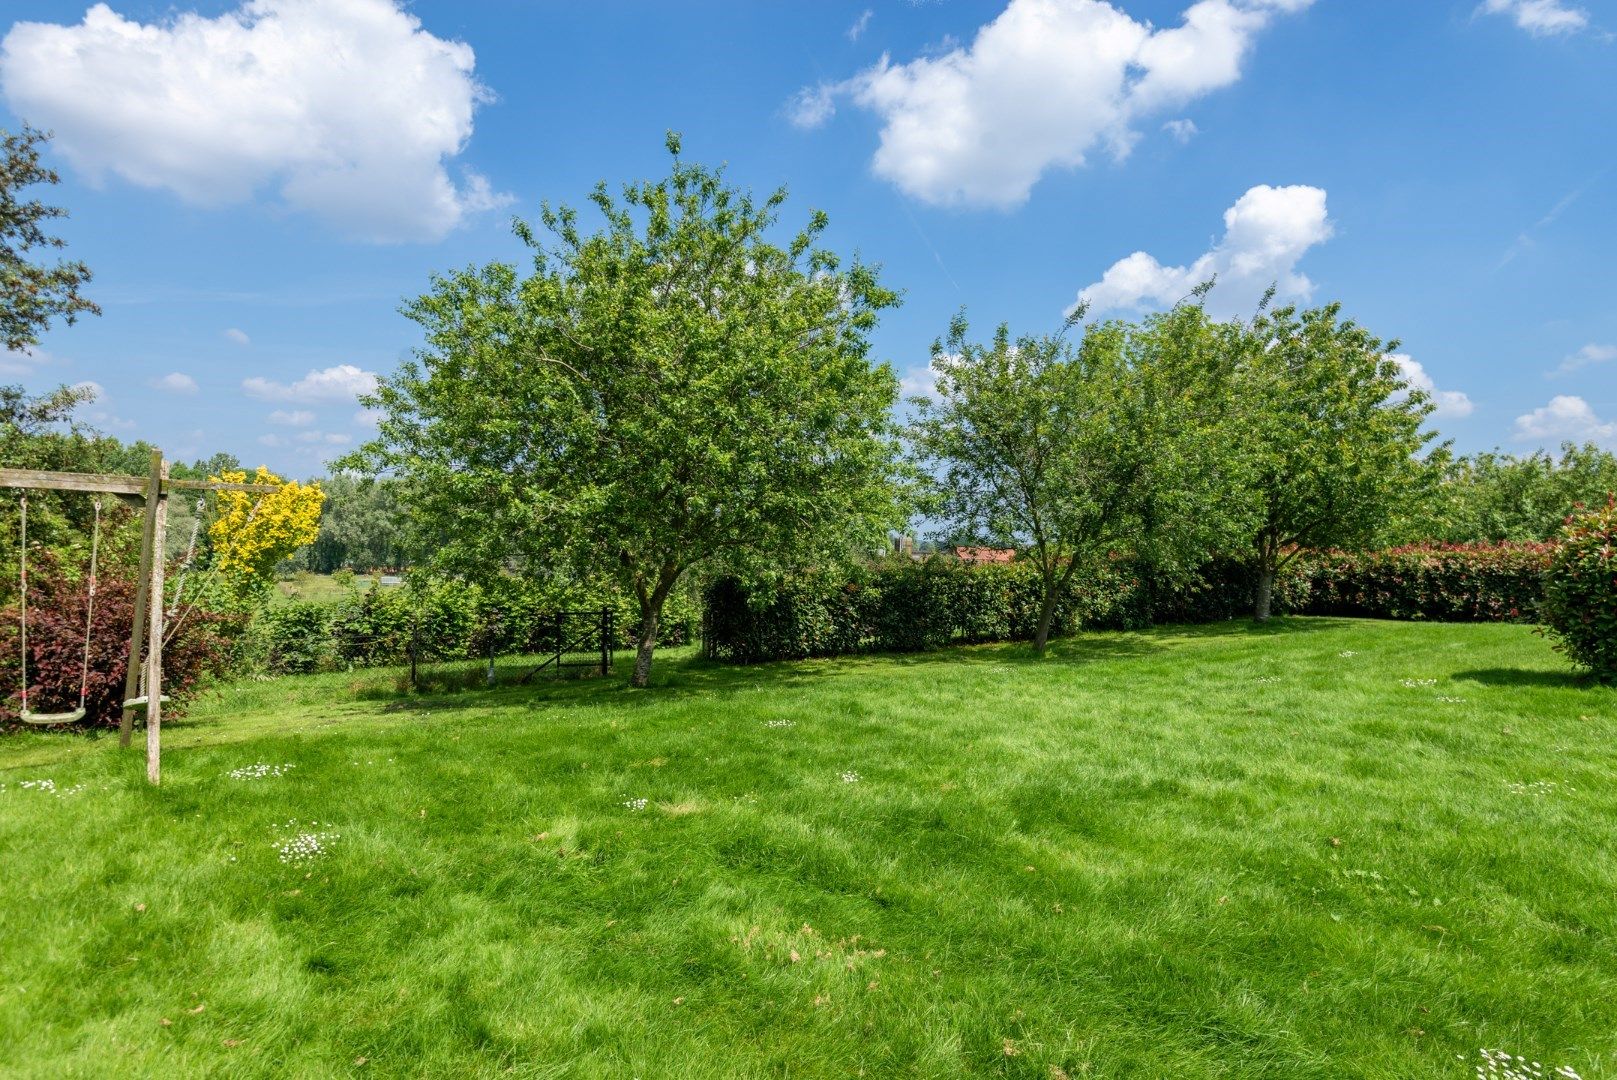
x=1440, y=582
x=911, y=606
x=374, y=626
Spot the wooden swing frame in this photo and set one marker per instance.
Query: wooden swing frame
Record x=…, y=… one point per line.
x=153, y=490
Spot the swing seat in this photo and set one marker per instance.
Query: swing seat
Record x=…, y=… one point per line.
x=51, y=717
x=141, y=702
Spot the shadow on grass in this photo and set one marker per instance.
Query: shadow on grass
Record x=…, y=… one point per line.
x=689, y=674
x=1520, y=677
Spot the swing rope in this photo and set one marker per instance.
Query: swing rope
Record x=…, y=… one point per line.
x=213, y=571
x=89, y=622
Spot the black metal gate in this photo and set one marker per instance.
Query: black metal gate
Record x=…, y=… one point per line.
x=582, y=642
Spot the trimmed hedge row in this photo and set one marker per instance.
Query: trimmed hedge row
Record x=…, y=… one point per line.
x=1443, y=583
x=375, y=626
x=908, y=606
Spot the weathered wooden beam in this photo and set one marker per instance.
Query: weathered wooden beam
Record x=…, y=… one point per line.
x=66, y=481
x=137, y=635
x=114, y=484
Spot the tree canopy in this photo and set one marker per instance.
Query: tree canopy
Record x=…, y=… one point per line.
x=672, y=391
x=32, y=292
x=1327, y=436
x=1081, y=451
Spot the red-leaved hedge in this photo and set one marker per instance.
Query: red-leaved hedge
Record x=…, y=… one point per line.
x=56, y=605
x=1440, y=582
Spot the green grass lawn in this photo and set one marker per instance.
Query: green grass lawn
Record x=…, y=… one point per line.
x=1317, y=849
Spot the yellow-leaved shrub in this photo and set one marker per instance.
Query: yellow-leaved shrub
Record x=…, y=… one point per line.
x=252, y=533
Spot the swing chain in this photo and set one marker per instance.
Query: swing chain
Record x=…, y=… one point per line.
x=190, y=554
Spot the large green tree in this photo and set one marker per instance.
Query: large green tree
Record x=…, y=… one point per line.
x=1328, y=433
x=1079, y=451
x=674, y=391
x=32, y=292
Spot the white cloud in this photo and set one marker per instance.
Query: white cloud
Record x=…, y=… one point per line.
x=1266, y=234
x=857, y=30
x=238, y=336
x=292, y=418
x=811, y=106
x=1587, y=356
x=1565, y=417
x=1042, y=86
x=14, y=364
x=1452, y=404
x=1541, y=18
x=175, y=382
x=97, y=411
x=1181, y=130
x=324, y=438
x=339, y=384
x=368, y=417
x=347, y=107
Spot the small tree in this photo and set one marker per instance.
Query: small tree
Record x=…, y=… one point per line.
x=672, y=392
x=32, y=293
x=1328, y=433
x=1079, y=452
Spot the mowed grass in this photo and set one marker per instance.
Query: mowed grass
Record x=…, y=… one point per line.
x=1209, y=852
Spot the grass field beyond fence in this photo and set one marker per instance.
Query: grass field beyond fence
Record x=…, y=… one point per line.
x=1316, y=849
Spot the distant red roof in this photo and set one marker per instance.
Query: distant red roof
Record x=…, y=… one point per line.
x=984, y=555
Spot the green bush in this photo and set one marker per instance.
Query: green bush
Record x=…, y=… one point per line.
x=290, y=639
x=1580, y=591
x=1440, y=582
x=900, y=606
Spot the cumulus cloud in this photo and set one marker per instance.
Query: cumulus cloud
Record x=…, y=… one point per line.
x=1042, y=86
x=333, y=385
x=347, y=108
x=1587, y=356
x=1451, y=404
x=1266, y=233
x=238, y=336
x=175, y=382
x=292, y=417
x=1181, y=130
x=1565, y=417
x=1541, y=18
x=21, y=362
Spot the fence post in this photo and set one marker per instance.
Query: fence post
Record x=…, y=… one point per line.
x=606, y=638
x=415, y=646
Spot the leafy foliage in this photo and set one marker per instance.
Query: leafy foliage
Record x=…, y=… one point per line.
x=1327, y=436
x=1491, y=497
x=56, y=609
x=906, y=606
x=32, y=293
x=1080, y=453
x=672, y=392
x=442, y=620
x=362, y=527
x=1443, y=582
x=1580, y=591
x=252, y=533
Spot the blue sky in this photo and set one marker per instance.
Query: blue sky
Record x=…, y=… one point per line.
x=257, y=188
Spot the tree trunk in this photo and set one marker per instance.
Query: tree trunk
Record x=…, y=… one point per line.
x=644, y=647
x=651, y=612
x=1047, y=611
x=1266, y=587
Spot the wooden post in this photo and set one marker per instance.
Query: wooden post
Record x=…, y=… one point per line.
x=154, y=631
x=154, y=484
x=606, y=638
